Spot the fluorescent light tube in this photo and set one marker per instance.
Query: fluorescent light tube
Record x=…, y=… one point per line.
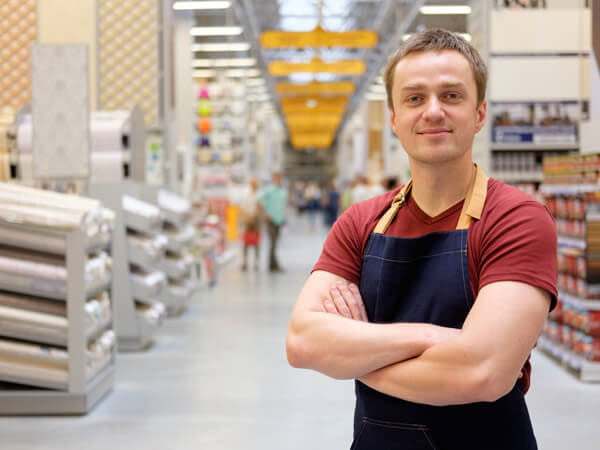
x=204, y=73
x=445, y=9
x=377, y=88
x=240, y=73
x=216, y=31
x=228, y=62
x=221, y=47
x=183, y=6
x=375, y=97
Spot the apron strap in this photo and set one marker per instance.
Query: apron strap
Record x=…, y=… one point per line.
x=390, y=214
x=472, y=208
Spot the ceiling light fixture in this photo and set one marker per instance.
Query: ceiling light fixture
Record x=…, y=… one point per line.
x=311, y=103
x=241, y=73
x=221, y=47
x=204, y=73
x=377, y=88
x=227, y=62
x=186, y=6
x=216, y=31
x=372, y=97
x=445, y=9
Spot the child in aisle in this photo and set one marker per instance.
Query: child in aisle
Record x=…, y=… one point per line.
x=250, y=218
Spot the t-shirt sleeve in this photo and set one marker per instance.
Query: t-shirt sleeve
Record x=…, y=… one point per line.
x=520, y=245
x=342, y=251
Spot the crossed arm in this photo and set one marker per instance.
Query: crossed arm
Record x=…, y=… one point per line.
x=422, y=363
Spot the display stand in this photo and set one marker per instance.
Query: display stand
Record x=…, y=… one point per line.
x=178, y=264
x=84, y=388
x=134, y=331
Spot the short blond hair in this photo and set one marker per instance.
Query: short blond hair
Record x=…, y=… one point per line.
x=437, y=39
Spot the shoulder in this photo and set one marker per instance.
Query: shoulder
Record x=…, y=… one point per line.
x=503, y=199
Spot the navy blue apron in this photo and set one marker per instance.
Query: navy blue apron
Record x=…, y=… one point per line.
x=426, y=280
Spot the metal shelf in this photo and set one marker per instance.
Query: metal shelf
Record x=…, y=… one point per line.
x=588, y=371
x=531, y=147
x=579, y=303
x=568, y=189
x=52, y=402
x=567, y=241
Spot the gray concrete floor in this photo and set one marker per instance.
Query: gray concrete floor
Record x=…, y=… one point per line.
x=217, y=378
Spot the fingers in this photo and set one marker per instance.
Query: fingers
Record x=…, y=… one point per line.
x=361, y=305
x=347, y=301
x=340, y=302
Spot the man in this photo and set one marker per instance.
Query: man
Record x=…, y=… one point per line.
x=273, y=199
x=432, y=296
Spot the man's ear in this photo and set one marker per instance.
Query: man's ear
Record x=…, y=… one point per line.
x=481, y=116
x=392, y=120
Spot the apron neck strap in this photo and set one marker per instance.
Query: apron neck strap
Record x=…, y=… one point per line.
x=472, y=207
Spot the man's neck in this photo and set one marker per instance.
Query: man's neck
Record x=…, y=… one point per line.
x=437, y=188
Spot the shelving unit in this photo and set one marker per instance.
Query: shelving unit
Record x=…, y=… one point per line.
x=536, y=100
x=572, y=332
x=85, y=383
x=135, y=327
x=178, y=263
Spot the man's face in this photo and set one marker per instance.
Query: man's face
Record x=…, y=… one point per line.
x=277, y=179
x=435, y=106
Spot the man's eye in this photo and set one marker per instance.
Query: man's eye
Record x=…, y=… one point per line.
x=413, y=99
x=453, y=96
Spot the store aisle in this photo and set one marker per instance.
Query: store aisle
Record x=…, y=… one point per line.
x=217, y=379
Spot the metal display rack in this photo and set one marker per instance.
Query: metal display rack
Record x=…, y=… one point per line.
x=83, y=389
x=179, y=268
x=134, y=332
x=556, y=345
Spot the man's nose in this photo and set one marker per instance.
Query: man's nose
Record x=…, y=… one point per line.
x=433, y=110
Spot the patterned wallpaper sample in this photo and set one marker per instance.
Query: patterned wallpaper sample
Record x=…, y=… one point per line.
x=60, y=111
x=129, y=56
x=18, y=29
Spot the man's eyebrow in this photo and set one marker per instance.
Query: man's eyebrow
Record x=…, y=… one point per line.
x=417, y=87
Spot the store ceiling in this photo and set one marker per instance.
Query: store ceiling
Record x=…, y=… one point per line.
x=390, y=19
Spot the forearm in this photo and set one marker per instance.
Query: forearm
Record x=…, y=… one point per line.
x=345, y=348
x=449, y=373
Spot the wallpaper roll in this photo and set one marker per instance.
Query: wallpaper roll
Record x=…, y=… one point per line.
x=4, y=167
x=25, y=136
x=107, y=167
x=106, y=136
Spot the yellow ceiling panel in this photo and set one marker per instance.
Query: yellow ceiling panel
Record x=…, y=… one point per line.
x=317, y=65
x=316, y=88
x=319, y=38
x=316, y=140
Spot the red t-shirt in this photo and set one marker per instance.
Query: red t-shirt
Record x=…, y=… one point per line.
x=515, y=239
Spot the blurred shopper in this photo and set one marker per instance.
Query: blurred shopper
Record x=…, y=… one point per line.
x=360, y=191
x=331, y=204
x=312, y=195
x=251, y=222
x=272, y=200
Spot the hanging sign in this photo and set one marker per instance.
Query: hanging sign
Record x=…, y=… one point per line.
x=317, y=65
x=315, y=88
x=319, y=38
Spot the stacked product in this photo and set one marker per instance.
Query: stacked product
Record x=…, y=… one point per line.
x=178, y=263
x=7, y=118
x=572, y=332
x=55, y=308
x=146, y=247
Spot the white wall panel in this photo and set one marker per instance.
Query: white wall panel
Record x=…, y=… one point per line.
x=60, y=111
x=540, y=31
x=547, y=78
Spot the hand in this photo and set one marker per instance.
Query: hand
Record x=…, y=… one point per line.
x=345, y=300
